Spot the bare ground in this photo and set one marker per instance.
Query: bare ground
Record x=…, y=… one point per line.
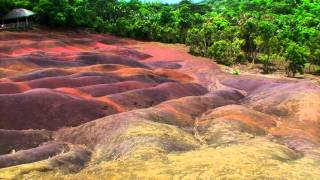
x=94, y=106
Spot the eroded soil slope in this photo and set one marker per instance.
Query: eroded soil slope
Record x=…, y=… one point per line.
x=92, y=106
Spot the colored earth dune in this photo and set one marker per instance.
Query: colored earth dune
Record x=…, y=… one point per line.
x=93, y=106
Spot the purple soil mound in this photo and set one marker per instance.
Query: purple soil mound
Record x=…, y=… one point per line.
x=107, y=89
x=47, y=109
x=15, y=140
x=41, y=74
x=92, y=58
x=143, y=98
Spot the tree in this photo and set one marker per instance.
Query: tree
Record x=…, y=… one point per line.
x=296, y=57
x=55, y=12
x=267, y=44
x=6, y=6
x=248, y=33
x=197, y=42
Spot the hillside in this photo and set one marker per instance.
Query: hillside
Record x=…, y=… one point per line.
x=96, y=106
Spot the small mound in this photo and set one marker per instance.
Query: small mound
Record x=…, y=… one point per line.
x=174, y=75
x=99, y=68
x=38, y=74
x=56, y=82
x=13, y=140
x=47, y=61
x=143, y=98
x=131, y=53
x=165, y=65
x=113, y=88
x=94, y=58
x=17, y=66
x=47, y=109
x=31, y=155
x=12, y=88
x=233, y=124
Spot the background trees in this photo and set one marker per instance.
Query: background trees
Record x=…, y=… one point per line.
x=230, y=32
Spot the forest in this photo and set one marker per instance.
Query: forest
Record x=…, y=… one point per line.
x=279, y=34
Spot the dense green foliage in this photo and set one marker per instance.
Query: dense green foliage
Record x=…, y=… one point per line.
x=230, y=31
x=296, y=55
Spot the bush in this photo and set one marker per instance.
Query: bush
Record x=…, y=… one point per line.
x=225, y=52
x=235, y=72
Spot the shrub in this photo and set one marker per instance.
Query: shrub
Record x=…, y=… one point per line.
x=225, y=52
x=235, y=71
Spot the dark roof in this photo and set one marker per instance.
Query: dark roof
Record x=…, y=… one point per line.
x=18, y=13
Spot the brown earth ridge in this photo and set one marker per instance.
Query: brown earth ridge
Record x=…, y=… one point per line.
x=95, y=106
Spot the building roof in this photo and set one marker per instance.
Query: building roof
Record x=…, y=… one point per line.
x=18, y=13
